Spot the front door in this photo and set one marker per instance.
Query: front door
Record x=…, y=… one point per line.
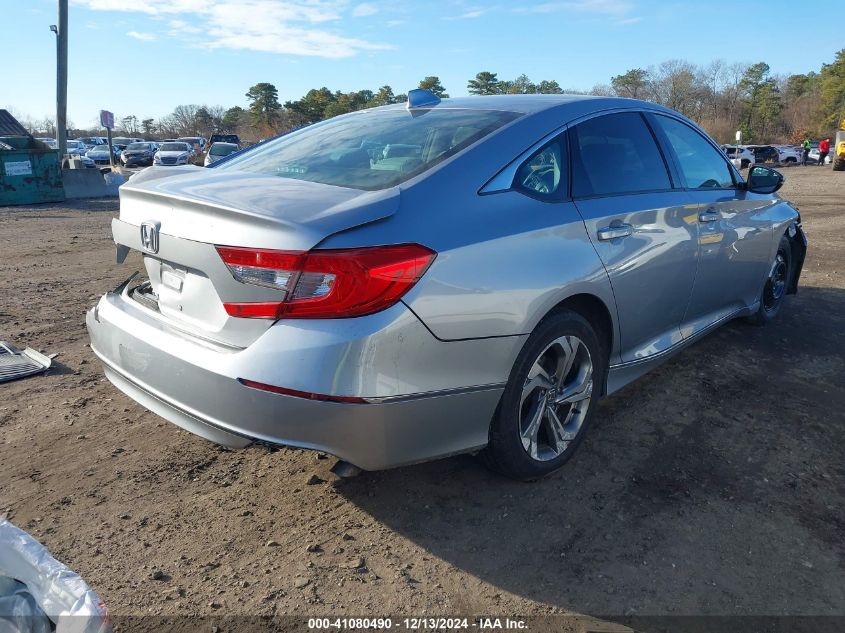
x=735, y=237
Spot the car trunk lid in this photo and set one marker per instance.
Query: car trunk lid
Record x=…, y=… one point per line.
x=176, y=222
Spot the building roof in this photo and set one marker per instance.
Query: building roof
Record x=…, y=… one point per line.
x=9, y=125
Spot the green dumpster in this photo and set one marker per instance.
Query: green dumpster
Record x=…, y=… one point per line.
x=29, y=172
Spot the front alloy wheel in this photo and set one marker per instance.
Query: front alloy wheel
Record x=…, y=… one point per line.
x=549, y=399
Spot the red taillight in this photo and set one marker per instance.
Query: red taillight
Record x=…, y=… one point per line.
x=327, y=284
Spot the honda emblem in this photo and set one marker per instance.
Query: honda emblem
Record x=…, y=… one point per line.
x=149, y=236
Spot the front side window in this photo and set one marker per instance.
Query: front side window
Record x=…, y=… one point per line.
x=701, y=164
x=544, y=174
x=615, y=153
x=371, y=150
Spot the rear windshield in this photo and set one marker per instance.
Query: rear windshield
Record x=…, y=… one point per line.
x=371, y=150
x=222, y=149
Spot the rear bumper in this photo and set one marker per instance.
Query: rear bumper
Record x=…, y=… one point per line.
x=194, y=384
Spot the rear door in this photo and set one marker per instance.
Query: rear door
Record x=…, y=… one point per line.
x=735, y=236
x=643, y=229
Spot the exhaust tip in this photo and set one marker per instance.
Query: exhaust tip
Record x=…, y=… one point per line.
x=345, y=470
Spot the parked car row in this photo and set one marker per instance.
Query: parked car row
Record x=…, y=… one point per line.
x=744, y=156
x=76, y=149
x=131, y=152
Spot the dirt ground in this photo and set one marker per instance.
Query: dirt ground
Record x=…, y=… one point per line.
x=714, y=485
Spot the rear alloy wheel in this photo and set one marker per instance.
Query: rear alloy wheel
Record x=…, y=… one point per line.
x=549, y=399
x=777, y=281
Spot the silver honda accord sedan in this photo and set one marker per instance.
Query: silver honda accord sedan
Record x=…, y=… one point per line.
x=415, y=281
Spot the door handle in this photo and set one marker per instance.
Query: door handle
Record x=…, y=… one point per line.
x=710, y=215
x=612, y=232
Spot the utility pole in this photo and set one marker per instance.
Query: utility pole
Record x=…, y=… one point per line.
x=61, y=80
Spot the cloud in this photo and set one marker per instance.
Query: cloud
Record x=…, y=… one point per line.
x=180, y=27
x=292, y=27
x=150, y=7
x=365, y=9
x=612, y=8
x=470, y=14
x=144, y=37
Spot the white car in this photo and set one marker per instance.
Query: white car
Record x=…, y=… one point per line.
x=814, y=156
x=741, y=157
x=176, y=153
x=789, y=155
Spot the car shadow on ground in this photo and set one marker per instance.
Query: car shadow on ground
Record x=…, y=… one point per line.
x=713, y=485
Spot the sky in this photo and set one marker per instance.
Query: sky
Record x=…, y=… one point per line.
x=144, y=57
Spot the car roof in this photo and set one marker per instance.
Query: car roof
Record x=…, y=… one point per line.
x=530, y=103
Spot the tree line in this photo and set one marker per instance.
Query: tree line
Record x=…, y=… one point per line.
x=720, y=97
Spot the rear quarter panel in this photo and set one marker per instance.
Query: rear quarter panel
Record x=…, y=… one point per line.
x=503, y=260
x=531, y=256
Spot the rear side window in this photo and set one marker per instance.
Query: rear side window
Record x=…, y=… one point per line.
x=701, y=164
x=615, y=153
x=544, y=174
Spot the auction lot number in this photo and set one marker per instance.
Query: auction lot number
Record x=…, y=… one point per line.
x=405, y=624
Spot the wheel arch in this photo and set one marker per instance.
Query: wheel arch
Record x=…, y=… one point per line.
x=798, y=251
x=598, y=314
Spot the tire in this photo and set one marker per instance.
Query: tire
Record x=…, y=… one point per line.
x=839, y=164
x=537, y=426
x=777, y=281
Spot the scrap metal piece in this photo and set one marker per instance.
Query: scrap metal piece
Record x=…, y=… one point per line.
x=16, y=364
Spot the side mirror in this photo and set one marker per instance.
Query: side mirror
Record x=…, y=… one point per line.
x=763, y=180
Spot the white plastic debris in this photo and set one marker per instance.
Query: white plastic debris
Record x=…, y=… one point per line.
x=37, y=590
x=113, y=181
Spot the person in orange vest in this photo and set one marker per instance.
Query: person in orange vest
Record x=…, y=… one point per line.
x=824, y=148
